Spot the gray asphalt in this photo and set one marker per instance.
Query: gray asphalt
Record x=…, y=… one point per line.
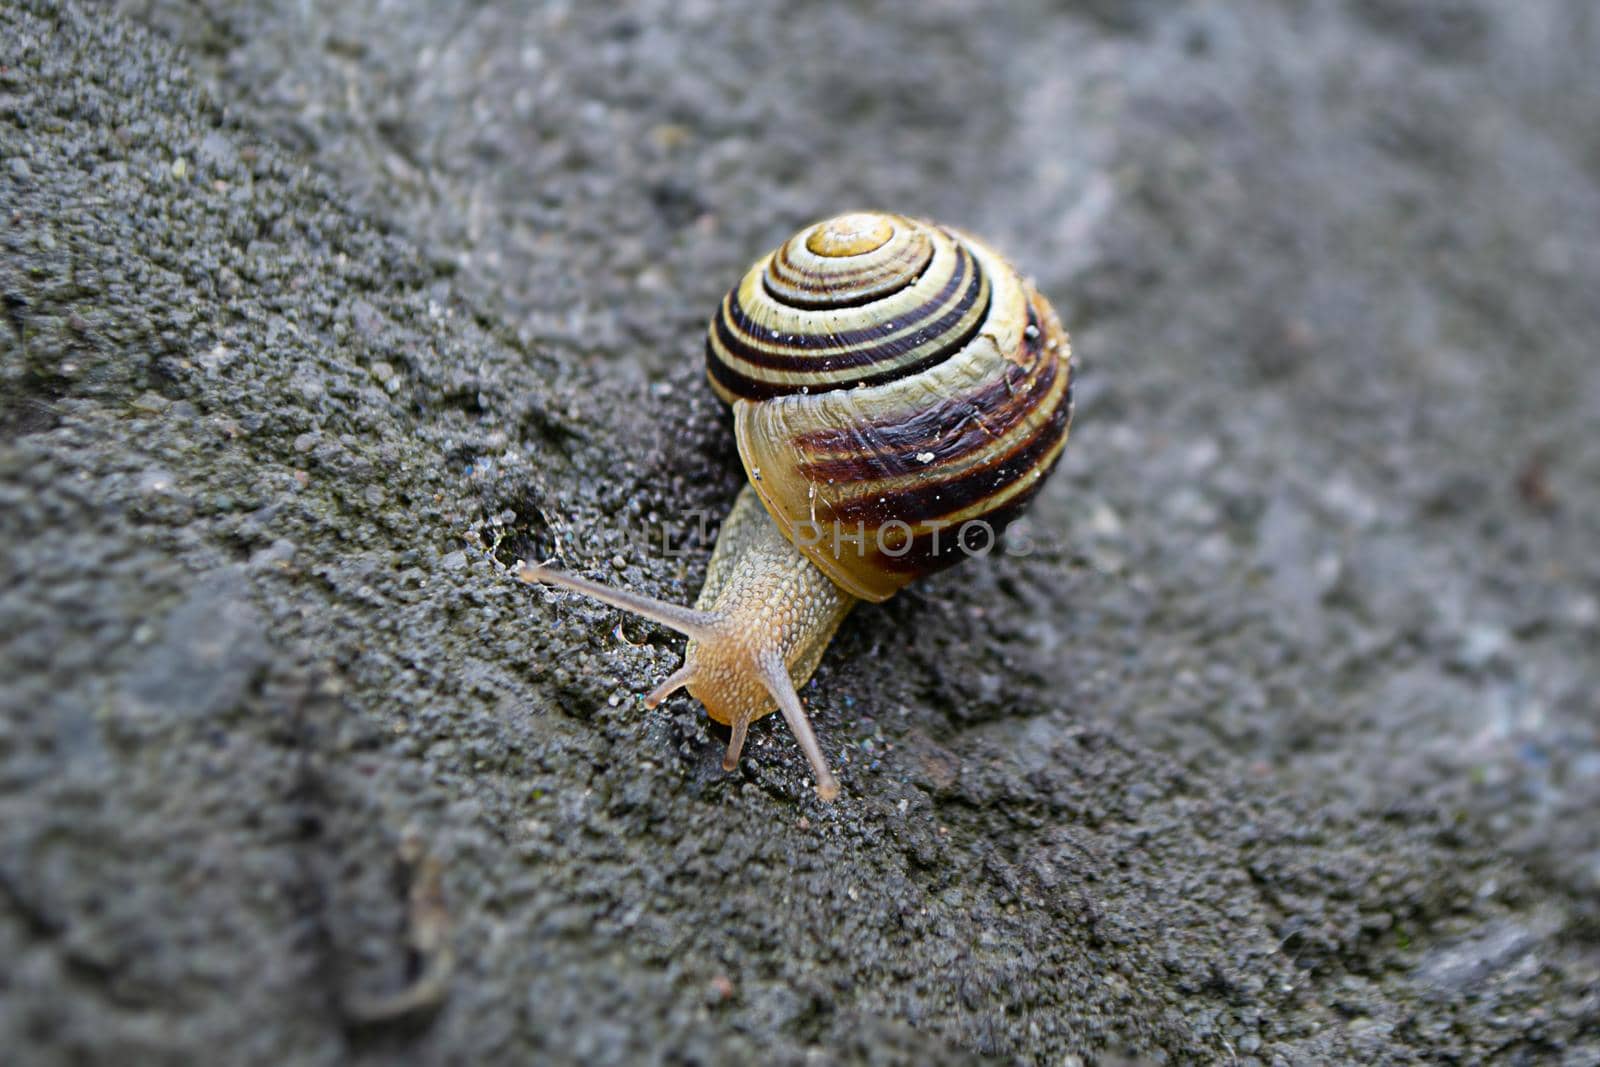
x=1274, y=740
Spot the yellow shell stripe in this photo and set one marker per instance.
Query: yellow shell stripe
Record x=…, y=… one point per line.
x=768, y=435
x=1009, y=484
x=989, y=355
x=814, y=346
x=897, y=401
x=820, y=267
x=988, y=359
x=810, y=511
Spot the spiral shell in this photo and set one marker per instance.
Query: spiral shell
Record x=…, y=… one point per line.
x=899, y=394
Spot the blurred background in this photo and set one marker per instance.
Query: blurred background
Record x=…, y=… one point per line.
x=1283, y=747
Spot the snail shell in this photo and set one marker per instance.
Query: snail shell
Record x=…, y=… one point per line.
x=895, y=387
x=891, y=382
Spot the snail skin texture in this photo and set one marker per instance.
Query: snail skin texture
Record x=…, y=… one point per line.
x=899, y=394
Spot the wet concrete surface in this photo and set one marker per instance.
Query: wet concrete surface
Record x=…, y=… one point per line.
x=1273, y=739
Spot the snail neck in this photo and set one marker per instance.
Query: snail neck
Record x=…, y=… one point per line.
x=774, y=601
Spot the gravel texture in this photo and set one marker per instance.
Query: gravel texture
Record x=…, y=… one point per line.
x=1273, y=739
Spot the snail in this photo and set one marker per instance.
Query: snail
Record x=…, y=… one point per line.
x=899, y=393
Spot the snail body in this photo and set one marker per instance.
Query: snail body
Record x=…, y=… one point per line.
x=899, y=392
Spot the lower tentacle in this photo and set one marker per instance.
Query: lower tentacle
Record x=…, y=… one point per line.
x=674, y=682
x=735, y=744
x=775, y=674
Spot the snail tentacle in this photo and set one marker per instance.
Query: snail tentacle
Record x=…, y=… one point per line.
x=700, y=625
x=778, y=683
x=740, y=727
x=674, y=682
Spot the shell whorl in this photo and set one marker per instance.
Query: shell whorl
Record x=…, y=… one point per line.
x=854, y=301
x=891, y=381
